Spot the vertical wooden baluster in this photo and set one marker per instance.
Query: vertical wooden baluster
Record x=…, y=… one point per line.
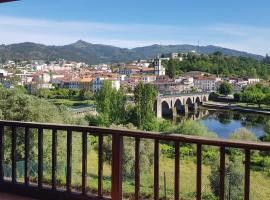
x=69, y=161
x=199, y=172
x=26, y=156
x=156, y=170
x=1, y=153
x=40, y=157
x=117, y=150
x=84, y=162
x=14, y=154
x=222, y=174
x=54, y=158
x=176, y=171
x=137, y=168
x=247, y=174
x=100, y=165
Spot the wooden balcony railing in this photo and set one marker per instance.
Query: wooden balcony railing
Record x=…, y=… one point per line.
x=42, y=192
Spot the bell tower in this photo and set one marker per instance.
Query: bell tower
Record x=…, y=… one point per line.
x=159, y=69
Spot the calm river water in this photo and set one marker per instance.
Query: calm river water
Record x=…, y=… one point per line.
x=223, y=122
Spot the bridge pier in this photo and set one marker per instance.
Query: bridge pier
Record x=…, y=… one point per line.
x=186, y=109
x=195, y=106
x=159, y=108
x=174, y=112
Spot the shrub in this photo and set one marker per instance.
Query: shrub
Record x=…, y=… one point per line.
x=234, y=180
x=189, y=127
x=146, y=156
x=243, y=134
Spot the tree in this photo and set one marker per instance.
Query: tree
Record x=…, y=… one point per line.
x=18, y=106
x=234, y=180
x=146, y=155
x=103, y=102
x=243, y=134
x=225, y=88
x=171, y=69
x=256, y=94
x=145, y=96
x=43, y=93
x=118, y=102
x=266, y=138
x=190, y=127
x=86, y=94
x=111, y=104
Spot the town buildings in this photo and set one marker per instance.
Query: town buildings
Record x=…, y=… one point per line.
x=76, y=75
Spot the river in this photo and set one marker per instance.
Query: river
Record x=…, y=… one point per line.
x=224, y=123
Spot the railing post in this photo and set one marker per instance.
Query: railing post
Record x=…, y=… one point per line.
x=84, y=162
x=247, y=174
x=156, y=170
x=222, y=174
x=100, y=166
x=137, y=168
x=176, y=171
x=54, y=158
x=199, y=172
x=26, y=156
x=40, y=157
x=117, y=150
x=1, y=153
x=14, y=154
x=69, y=161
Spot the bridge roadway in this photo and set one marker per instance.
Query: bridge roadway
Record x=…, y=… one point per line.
x=168, y=104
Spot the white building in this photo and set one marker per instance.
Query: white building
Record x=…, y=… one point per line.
x=175, y=56
x=206, y=84
x=3, y=73
x=253, y=80
x=159, y=69
x=148, y=79
x=98, y=82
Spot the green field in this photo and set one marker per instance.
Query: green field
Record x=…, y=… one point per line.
x=260, y=181
x=72, y=102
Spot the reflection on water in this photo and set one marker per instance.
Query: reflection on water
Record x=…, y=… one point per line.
x=223, y=122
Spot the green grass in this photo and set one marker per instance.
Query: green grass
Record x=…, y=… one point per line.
x=72, y=102
x=259, y=181
x=254, y=106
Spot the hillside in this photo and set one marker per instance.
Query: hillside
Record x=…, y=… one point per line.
x=97, y=53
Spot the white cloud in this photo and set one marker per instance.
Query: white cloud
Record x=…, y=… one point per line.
x=246, y=38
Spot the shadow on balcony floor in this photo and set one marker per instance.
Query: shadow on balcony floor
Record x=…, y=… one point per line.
x=4, y=196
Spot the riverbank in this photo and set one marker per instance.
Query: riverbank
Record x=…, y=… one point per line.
x=233, y=107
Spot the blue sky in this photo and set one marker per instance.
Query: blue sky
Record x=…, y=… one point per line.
x=238, y=24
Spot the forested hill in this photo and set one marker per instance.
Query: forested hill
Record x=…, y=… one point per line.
x=220, y=64
x=97, y=53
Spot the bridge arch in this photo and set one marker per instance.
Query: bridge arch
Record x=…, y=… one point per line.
x=189, y=103
x=165, y=107
x=204, y=98
x=178, y=105
x=198, y=100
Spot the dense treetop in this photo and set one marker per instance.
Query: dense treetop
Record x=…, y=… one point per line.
x=219, y=64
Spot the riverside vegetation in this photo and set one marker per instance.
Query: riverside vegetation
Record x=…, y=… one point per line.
x=16, y=104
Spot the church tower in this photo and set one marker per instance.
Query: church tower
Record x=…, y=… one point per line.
x=159, y=69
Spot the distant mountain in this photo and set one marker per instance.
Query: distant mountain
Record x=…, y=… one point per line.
x=98, y=53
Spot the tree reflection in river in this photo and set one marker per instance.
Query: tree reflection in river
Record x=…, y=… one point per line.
x=224, y=122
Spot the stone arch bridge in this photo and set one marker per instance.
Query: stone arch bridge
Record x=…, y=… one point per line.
x=172, y=104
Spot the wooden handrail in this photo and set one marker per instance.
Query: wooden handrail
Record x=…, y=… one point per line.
x=263, y=146
x=117, y=149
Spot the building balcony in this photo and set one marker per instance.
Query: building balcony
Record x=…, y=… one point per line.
x=16, y=184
